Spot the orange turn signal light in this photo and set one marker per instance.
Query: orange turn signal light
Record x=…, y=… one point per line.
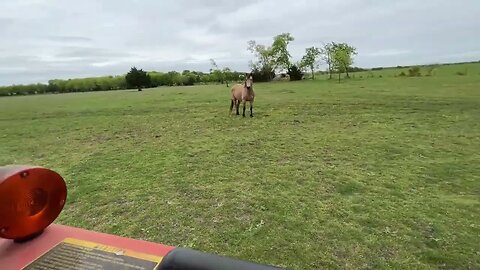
x=31, y=198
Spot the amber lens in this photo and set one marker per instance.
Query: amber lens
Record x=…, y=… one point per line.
x=30, y=199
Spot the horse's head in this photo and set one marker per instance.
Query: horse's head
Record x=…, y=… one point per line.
x=248, y=81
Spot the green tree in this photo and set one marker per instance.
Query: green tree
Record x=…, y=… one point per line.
x=216, y=72
x=227, y=75
x=326, y=54
x=310, y=59
x=271, y=58
x=265, y=62
x=221, y=75
x=155, y=79
x=137, y=78
x=343, y=57
x=281, y=55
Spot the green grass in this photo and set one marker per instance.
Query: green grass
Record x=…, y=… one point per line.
x=369, y=173
x=472, y=69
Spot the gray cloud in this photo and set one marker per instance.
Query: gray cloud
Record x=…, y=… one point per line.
x=46, y=39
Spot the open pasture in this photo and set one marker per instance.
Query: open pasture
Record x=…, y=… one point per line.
x=367, y=173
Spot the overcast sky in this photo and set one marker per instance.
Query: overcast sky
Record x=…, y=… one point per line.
x=46, y=39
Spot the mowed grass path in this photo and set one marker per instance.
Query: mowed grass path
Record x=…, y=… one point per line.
x=372, y=173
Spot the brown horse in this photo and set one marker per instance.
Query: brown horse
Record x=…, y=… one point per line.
x=243, y=93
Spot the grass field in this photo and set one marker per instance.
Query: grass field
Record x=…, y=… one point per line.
x=368, y=173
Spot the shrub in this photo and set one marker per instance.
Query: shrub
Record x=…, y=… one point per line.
x=414, y=72
x=262, y=75
x=295, y=73
x=430, y=70
x=462, y=73
x=402, y=74
x=355, y=69
x=188, y=80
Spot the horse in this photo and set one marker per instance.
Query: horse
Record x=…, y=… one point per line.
x=243, y=93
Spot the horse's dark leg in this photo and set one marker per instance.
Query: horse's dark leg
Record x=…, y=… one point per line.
x=231, y=107
x=251, y=109
x=244, y=105
x=237, y=105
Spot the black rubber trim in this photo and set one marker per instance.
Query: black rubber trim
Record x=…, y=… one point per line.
x=187, y=259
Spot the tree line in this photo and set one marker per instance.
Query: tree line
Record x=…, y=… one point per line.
x=273, y=58
x=171, y=78
x=269, y=60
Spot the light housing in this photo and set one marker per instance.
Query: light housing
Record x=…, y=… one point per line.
x=31, y=198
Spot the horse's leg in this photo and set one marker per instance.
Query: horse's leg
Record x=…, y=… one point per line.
x=231, y=107
x=237, y=105
x=244, y=105
x=251, y=108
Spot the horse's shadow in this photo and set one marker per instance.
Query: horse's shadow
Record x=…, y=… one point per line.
x=256, y=115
